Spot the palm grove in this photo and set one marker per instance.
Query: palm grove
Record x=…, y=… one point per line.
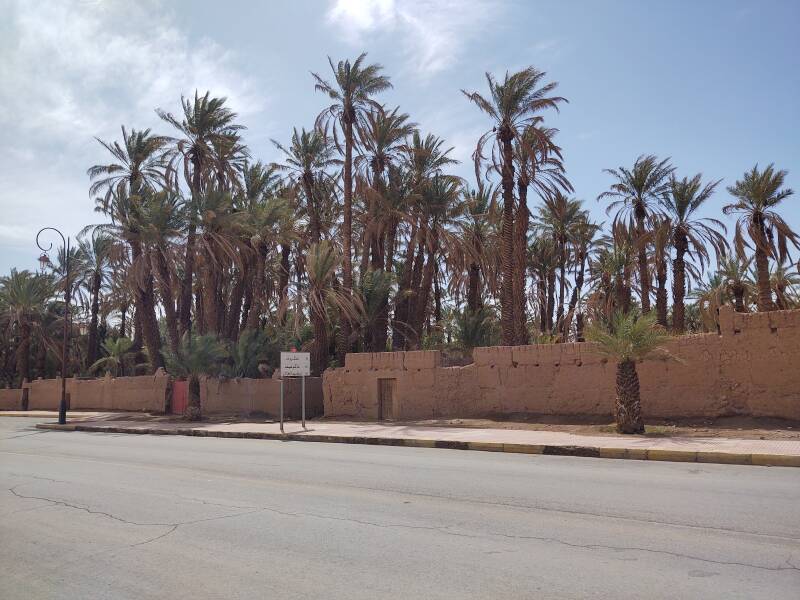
x=361, y=239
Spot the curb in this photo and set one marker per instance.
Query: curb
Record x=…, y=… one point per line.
x=725, y=458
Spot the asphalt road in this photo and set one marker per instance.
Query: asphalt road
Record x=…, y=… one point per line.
x=86, y=515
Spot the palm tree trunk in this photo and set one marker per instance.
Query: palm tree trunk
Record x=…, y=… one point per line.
x=347, y=233
x=472, y=287
x=579, y=327
x=421, y=307
x=507, y=240
x=256, y=289
x=576, y=292
x=137, y=327
x=237, y=296
x=661, y=293
x=193, y=409
x=679, y=283
x=562, y=283
x=209, y=291
x=644, y=272
x=92, y=349
x=123, y=313
x=147, y=308
x=165, y=284
x=628, y=404
x=738, y=298
x=23, y=355
x=551, y=297
x=521, y=335
x=765, y=303
x=541, y=290
x=399, y=323
x=319, y=353
x=283, y=281
x=185, y=303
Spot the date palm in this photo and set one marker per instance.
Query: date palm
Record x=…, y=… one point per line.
x=681, y=202
x=757, y=195
x=208, y=130
x=308, y=158
x=733, y=271
x=513, y=105
x=197, y=355
x=141, y=162
x=23, y=298
x=628, y=339
x=115, y=352
x=634, y=196
x=97, y=251
x=353, y=87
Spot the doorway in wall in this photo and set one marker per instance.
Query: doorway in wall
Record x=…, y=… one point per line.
x=386, y=399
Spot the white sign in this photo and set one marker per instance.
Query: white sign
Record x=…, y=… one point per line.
x=295, y=364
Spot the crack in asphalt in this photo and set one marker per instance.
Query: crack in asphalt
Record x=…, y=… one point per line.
x=446, y=530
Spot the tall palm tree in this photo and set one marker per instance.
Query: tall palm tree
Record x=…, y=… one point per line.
x=757, y=195
x=629, y=339
x=564, y=219
x=97, y=251
x=634, y=195
x=513, y=104
x=308, y=157
x=141, y=161
x=353, y=86
x=681, y=202
x=23, y=296
x=206, y=127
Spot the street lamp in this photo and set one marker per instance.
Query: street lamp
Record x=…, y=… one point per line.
x=44, y=260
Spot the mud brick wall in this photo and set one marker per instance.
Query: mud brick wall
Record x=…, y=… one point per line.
x=751, y=367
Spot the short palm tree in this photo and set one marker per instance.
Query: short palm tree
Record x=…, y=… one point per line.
x=197, y=355
x=629, y=339
x=634, y=195
x=733, y=271
x=116, y=351
x=757, y=195
x=513, y=105
x=681, y=202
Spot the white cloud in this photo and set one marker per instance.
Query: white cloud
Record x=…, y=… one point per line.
x=72, y=70
x=432, y=33
x=77, y=69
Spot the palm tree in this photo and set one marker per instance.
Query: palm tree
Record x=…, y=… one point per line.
x=352, y=91
x=564, y=219
x=661, y=239
x=308, y=158
x=633, y=196
x=322, y=261
x=733, y=271
x=115, y=350
x=681, y=203
x=783, y=282
x=197, y=355
x=629, y=339
x=207, y=127
x=513, y=105
x=141, y=163
x=757, y=194
x=97, y=251
x=23, y=296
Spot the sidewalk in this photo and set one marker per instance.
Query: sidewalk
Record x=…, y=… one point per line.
x=679, y=449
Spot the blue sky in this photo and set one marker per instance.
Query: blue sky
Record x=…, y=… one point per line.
x=714, y=84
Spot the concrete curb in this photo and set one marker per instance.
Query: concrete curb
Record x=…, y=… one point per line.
x=726, y=458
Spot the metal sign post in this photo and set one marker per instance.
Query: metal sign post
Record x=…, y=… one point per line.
x=296, y=364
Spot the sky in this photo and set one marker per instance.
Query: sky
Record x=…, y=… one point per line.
x=713, y=84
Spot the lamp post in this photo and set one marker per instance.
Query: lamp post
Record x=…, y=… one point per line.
x=43, y=261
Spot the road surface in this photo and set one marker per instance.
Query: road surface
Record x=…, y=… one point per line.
x=87, y=515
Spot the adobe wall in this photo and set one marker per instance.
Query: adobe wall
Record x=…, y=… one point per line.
x=752, y=367
x=144, y=393
x=246, y=396
x=11, y=399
